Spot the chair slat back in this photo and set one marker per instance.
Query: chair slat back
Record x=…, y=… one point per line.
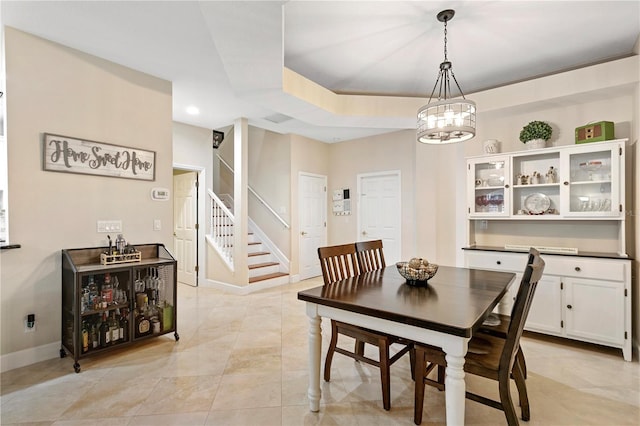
x=338, y=262
x=532, y=274
x=370, y=255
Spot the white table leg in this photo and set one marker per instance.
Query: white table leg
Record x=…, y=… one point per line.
x=454, y=381
x=315, y=347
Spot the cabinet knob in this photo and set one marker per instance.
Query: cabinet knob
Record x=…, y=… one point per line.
x=506, y=186
x=498, y=262
x=569, y=306
x=577, y=268
x=566, y=183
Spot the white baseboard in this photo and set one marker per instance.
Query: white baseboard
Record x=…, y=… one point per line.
x=248, y=289
x=29, y=356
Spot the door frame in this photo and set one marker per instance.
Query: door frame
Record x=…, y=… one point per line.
x=359, y=178
x=201, y=207
x=324, y=212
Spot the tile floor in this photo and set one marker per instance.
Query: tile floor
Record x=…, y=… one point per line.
x=242, y=360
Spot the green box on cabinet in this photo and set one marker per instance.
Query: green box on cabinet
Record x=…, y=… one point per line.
x=595, y=132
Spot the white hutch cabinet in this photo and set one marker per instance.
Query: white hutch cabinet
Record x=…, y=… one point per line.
x=584, y=294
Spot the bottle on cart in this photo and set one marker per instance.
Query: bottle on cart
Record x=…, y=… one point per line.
x=105, y=334
x=85, y=303
x=85, y=337
x=114, y=328
x=124, y=326
x=143, y=325
x=152, y=314
x=94, y=296
x=107, y=291
x=93, y=335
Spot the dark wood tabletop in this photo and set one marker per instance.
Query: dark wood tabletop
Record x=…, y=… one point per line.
x=455, y=301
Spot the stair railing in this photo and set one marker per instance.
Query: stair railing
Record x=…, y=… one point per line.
x=258, y=197
x=222, y=226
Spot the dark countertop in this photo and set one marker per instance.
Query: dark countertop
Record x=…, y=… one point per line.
x=7, y=246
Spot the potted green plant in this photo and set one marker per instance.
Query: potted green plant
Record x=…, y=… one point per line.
x=535, y=134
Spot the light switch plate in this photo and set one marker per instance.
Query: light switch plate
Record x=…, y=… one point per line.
x=157, y=225
x=107, y=226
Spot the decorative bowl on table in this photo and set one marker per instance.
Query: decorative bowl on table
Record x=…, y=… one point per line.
x=417, y=271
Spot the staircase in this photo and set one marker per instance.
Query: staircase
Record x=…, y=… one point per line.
x=264, y=266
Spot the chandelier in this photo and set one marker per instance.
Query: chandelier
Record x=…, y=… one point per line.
x=446, y=120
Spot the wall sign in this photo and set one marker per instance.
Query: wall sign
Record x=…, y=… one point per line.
x=70, y=155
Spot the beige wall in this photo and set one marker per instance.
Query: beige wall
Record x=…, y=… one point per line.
x=391, y=151
x=51, y=88
x=307, y=156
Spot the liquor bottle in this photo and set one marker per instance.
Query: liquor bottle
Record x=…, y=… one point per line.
x=93, y=294
x=124, y=326
x=107, y=291
x=114, y=328
x=85, y=337
x=85, y=303
x=143, y=326
x=152, y=314
x=105, y=335
x=93, y=336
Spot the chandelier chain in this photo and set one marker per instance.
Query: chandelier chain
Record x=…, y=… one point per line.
x=445, y=40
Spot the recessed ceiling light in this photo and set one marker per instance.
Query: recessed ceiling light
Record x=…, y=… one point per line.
x=193, y=110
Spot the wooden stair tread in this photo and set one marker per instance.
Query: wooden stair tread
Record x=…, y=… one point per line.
x=263, y=265
x=267, y=276
x=258, y=253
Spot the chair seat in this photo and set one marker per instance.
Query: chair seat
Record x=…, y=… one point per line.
x=365, y=334
x=499, y=330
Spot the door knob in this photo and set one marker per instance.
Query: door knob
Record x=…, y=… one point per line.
x=303, y=233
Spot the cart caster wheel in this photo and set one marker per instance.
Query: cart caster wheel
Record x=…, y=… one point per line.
x=177, y=336
x=76, y=367
x=62, y=353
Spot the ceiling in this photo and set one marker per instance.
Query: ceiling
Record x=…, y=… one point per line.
x=227, y=58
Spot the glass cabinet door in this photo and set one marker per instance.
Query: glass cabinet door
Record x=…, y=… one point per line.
x=592, y=182
x=488, y=180
x=154, y=302
x=104, y=302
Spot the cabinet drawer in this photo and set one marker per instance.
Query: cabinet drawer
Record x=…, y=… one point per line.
x=584, y=268
x=511, y=262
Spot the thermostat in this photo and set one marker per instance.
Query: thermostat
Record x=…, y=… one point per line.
x=160, y=194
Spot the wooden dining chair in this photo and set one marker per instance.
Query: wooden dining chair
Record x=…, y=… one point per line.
x=496, y=360
x=338, y=263
x=501, y=330
x=370, y=255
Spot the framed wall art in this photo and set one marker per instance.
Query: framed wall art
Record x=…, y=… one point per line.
x=73, y=155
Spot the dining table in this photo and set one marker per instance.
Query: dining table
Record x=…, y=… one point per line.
x=445, y=312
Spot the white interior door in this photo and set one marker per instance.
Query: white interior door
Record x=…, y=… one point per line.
x=380, y=211
x=185, y=214
x=312, y=211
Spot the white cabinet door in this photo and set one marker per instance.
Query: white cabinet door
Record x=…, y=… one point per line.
x=545, y=315
x=594, y=310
